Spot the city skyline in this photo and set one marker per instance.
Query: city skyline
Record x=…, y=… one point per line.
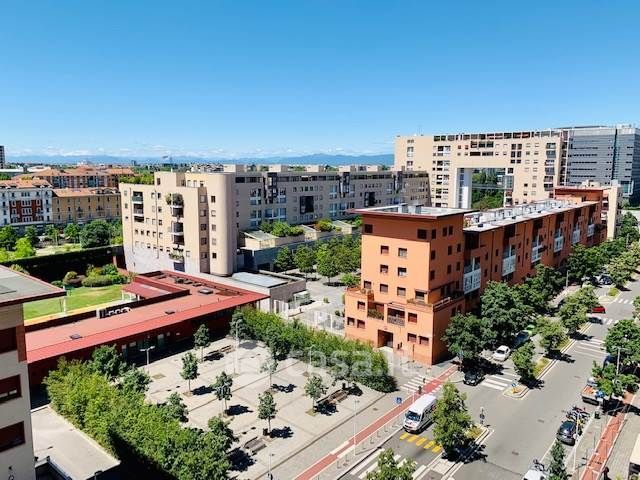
x=254, y=80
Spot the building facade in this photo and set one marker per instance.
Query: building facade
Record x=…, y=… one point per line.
x=421, y=265
x=83, y=176
x=192, y=221
x=2, y=157
x=531, y=162
x=25, y=201
x=83, y=205
x=16, y=445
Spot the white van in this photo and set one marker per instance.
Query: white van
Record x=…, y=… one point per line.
x=420, y=413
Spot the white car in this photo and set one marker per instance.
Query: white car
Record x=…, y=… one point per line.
x=501, y=353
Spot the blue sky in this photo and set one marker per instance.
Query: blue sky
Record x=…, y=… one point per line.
x=229, y=78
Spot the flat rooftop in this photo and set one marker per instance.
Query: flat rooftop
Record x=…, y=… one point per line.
x=16, y=287
x=411, y=211
x=203, y=298
x=500, y=217
x=259, y=279
x=73, y=451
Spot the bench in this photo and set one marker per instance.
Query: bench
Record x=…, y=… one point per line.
x=335, y=397
x=255, y=445
x=227, y=349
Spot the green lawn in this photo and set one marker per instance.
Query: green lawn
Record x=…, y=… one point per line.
x=76, y=298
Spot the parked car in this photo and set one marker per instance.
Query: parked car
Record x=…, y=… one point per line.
x=521, y=337
x=567, y=432
x=604, y=279
x=598, y=309
x=595, y=320
x=501, y=353
x=473, y=377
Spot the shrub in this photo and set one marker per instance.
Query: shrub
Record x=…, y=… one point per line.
x=104, y=280
x=57, y=283
x=359, y=361
x=70, y=278
x=324, y=225
x=613, y=291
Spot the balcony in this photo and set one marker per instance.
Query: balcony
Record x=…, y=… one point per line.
x=136, y=199
x=591, y=228
x=471, y=280
x=395, y=320
x=536, y=251
x=375, y=314
x=575, y=236
x=558, y=244
x=177, y=211
x=508, y=265
x=177, y=256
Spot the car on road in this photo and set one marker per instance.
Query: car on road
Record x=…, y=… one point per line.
x=597, y=309
x=567, y=432
x=473, y=377
x=501, y=353
x=420, y=413
x=604, y=279
x=521, y=338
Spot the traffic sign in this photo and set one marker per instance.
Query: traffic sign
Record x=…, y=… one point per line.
x=398, y=400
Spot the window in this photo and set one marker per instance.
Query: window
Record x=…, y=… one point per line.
x=422, y=234
x=412, y=317
x=457, y=266
x=384, y=250
x=213, y=199
x=444, y=231
x=411, y=338
x=360, y=324
x=449, y=249
x=366, y=284
x=214, y=255
x=384, y=288
x=449, y=268
x=402, y=272
x=8, y=340
x=368, y=228
x=401, y=291
x=420, y=295
x=351, y=321
x=459, y=247
x=360, y=305
x=433, y=234
x=384, y=269
x=9, y=388
x=433, y=254
x=424, y=340
x=203, y=241
x=11, y=436
x=402, y=252
x=432, y=275
x=450, y=230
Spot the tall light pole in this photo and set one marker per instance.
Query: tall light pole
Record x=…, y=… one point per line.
x=270, y=476
x=150, y=347
x=355, y=413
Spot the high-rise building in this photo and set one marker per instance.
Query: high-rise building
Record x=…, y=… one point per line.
x=193, y=221
x=529, y=163
x=422, y=265
x=16, y=446
x=2, y=157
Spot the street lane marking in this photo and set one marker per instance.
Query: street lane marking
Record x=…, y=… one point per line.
x=404, y=435
x=339, y=447
x=368, y=461
x=364, y=474
x=436, y=449
x=429, y=445
x=412, y=439
x=421, y=441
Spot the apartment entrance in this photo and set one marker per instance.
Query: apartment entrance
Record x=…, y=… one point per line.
x=385, y=339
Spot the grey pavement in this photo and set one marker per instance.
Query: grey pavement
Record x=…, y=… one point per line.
x=618, y=462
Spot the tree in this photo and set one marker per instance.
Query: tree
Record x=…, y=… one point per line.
x=619, y=271
x=284, y=260
x=8, y=237
x=238, y=326
x=629, y=228
x=24, y=248
x=135, y=380
x=4, y=255
x=31, y=234
x=552, y=334
x=504, y=309
x=267, y=409
x=636, y=307
x=304, y=259
x=536, y=291
x=611, y=382
x=583, y=262
x=467, y=336
x=452, y=420
x=523, y=361
x=624, y=337
x=586, y=296
x=572, y=314
x=350, y=280
x=201, y=339
x=221, y=429
x=557, y=470
x=72, y=233
x=107, y=361
x=327, y=263
x=222, y=388
x=390, y=469
x=189, y=368
x=175, y=407
x=95, y=234
x=52, y=233
x=314, y=388
x=270, y=365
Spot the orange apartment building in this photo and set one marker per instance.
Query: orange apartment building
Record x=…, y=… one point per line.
x=422, y=265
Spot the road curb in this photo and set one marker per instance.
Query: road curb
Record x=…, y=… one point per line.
x=467, y=453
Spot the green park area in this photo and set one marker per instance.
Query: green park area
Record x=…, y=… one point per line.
x=76, y=298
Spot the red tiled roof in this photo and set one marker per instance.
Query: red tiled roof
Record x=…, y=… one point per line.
x=24, y=182
x=56, y=341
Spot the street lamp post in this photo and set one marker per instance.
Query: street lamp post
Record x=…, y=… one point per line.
x=270, y=476
x=355, y=413
x=146, y=350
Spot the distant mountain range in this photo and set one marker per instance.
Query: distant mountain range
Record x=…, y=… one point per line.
x=319, y=159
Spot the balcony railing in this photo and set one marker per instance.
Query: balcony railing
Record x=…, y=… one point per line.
x=177, y=256
x=395, y=320
x=591, y=228
x=471, y=280
x=575, y=236
x=536, y=252
x=375, y=314
x=508, y=265
x=558, y=244
x=136, y=199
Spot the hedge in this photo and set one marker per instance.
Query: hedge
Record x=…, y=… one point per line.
x=104, y=280
x=361, y=362
x=145, y=437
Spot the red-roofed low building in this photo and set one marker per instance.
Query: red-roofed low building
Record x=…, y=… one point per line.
x=170, y=306
x=25, y=201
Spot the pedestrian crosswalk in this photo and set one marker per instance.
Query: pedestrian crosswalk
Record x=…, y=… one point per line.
x=499, y=382
x=593, y=348
x=624, y=301
x=419, y=441
x=412, y=385
x=370, y=465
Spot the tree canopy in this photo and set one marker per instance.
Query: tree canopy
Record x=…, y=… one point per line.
x=95, y=234
x=467, y=336
x=390, y=469
x=502, y=305
x=452, y=420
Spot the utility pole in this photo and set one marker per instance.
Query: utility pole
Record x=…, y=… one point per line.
x=355, y=413
x=146, y=350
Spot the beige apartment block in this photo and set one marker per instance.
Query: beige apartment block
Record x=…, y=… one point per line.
x=82, y=205
x=531, y=161
x=192, y=221
x=16, y=444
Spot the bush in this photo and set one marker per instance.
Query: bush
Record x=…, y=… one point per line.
x=613, y=291
x=57, y=283
x=71, y=278
x=359, y=362
x=280, y=229
x=104, y=280
x=324, y=225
